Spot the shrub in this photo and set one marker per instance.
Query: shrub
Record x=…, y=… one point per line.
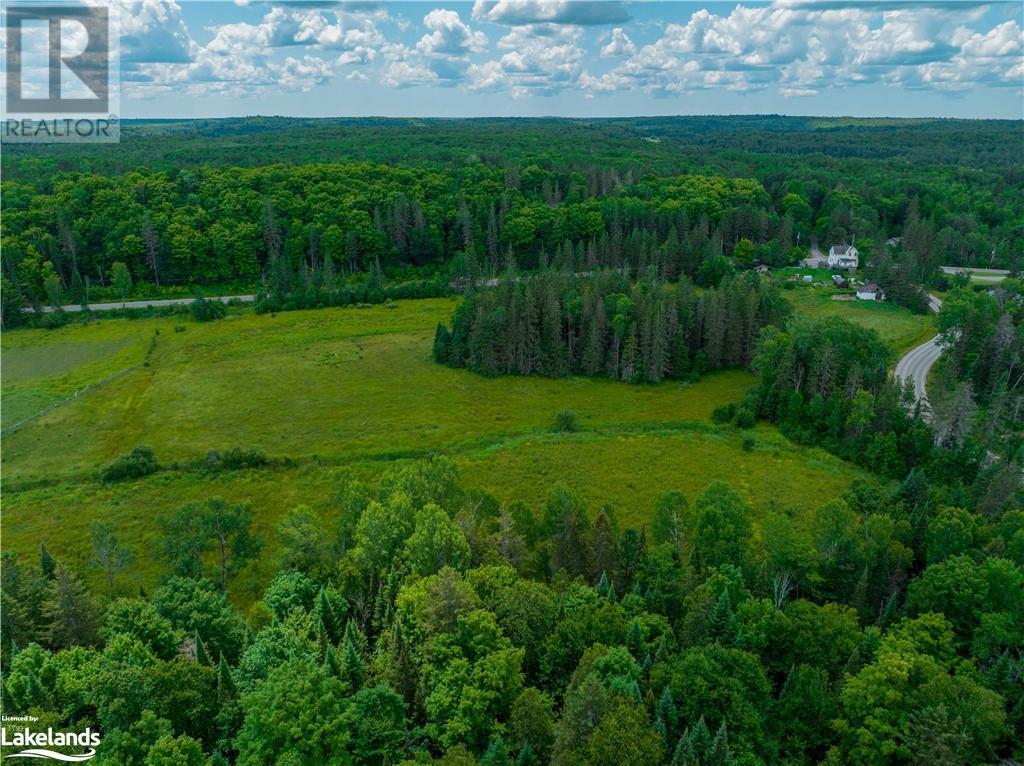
x=745, y=418
x=724, y=414
x=203, y=310
x=566, y=422
x=235, y=459
x=138, y=463
x=749, y=442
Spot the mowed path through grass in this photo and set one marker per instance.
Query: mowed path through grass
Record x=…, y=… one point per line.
x=356, y=388
x=41, y=368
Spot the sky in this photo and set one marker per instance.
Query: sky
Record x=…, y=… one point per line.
x=191, y=58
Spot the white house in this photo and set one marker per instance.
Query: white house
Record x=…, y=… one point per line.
x=870, y=292
x=843, y=257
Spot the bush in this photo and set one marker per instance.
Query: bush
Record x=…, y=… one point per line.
x=566, y=422
x=138, y=463
x=749, y=442
x=203, y=310
x=724, y=414
x=235, y=459
x=745, y=418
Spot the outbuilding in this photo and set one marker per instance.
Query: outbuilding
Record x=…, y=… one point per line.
x=870, y=292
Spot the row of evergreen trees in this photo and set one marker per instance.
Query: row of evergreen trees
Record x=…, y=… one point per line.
x=557, y=324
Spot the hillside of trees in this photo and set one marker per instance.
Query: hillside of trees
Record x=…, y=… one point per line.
x=178, y=206
x=421, y=623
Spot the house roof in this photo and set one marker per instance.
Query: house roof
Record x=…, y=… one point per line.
x=840, y=249
x=870, y=287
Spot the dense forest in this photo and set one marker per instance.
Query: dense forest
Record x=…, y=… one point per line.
x=421, y=623
x=553, y=325
x=670, y=193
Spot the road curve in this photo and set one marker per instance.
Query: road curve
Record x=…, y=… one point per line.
x=146, y=304
x=917, y=363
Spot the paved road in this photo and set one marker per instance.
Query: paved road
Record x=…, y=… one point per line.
x=154, y=302
x=917, y=363
x=986, y=276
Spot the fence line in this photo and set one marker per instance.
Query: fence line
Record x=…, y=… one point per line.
x=91, y=387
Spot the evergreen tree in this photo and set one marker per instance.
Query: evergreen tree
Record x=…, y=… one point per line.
x=352, y=669
x=47, y=564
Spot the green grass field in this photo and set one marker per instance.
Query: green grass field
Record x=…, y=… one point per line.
x=355, y=387
x=44, y=367
x=899, y=327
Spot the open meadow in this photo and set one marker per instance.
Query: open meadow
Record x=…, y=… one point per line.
x=355, y=388
x=899, y=327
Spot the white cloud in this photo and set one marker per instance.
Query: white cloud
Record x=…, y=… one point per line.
x=575, y=12
x=406, y=74
x=805, y=48
x=542, y=59
x=799, y=48
x=449, y=36
x=619, y=45
x=153, y=31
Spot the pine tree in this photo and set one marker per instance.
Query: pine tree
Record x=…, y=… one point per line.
x=227, y=691
x=332, y=663
x=70, y=613
x=442, y=340
x=326, y=619
x=496, y=754
x=723, y=620
x=47, y=564
x=355, y=635
x=605, y=549
x=684, y=754
x=630, y=356
x=700, y=740
x=352, y=669
x=668, y=714
x=718, y=754
x=526, y=756
x=202, y=655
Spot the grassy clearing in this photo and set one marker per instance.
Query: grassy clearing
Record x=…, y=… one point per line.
x=340, y=384
x=41, y=367
x=899, y=327
x=353, y=388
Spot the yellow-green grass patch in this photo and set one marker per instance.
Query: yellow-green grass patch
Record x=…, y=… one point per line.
x=340, y=384
x=626, y=468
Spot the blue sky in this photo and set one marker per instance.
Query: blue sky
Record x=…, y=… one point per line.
x=560, y=57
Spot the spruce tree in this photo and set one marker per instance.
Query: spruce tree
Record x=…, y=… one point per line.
x=496, y=754
x=668, y=714
x=47, y=564
x=202, y=655
x=70, y=613
x=352, y=669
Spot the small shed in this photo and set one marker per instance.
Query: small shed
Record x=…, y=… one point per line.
x=870, y=292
